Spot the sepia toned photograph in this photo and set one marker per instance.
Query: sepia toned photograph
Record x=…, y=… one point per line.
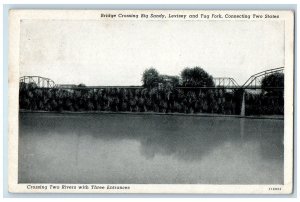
x=120, y=101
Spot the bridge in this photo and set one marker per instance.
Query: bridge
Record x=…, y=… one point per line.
x=41, y=82
x=226, y=82
x=254, y=82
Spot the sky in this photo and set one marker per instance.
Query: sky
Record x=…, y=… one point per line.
x=116, y=52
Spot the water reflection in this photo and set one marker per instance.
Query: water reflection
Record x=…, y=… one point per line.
x=150, y=149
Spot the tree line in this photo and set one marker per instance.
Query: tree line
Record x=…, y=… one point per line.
x=160, y=93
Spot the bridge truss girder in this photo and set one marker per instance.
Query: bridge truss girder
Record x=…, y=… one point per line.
x=225, y=82
x=41, y=82
x=255, y=80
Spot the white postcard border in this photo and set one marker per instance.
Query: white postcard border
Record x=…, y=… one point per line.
x=14, y=36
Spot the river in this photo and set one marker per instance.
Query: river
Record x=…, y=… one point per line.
x=149, y=149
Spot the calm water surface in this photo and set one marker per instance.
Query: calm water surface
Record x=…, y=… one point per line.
x=118, y=148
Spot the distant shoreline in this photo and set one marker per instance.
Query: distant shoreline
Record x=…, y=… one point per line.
x=279, y=117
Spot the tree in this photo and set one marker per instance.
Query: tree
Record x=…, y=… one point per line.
x=196, y=77
x=150, y=77
x=273, y=80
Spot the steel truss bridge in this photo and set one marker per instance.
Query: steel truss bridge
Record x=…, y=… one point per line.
x=254, y=82
x=225, y=82
x=41, y=82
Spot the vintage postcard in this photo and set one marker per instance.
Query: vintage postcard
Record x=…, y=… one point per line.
x=151, y=101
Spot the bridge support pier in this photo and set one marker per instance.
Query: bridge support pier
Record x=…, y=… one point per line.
x=243, y=105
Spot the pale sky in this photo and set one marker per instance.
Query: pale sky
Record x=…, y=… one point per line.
x=116, y=52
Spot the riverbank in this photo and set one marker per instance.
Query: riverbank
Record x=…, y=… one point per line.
x=280, y=117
